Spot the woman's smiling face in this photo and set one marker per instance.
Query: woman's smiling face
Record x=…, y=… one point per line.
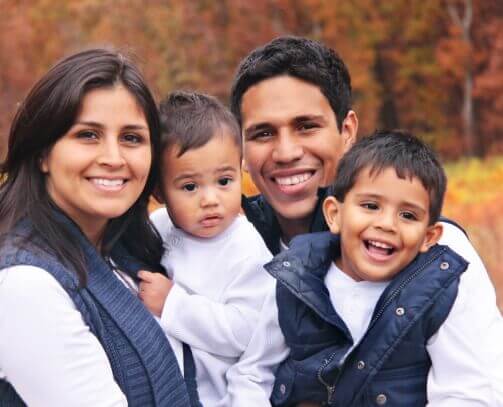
x=99, y=167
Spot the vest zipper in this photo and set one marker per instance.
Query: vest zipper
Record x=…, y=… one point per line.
x=399, y=288
x=330, y=388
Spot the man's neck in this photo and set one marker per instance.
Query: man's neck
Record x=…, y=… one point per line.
x=293, y=227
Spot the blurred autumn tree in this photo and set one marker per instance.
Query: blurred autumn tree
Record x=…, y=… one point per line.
x=409, y=60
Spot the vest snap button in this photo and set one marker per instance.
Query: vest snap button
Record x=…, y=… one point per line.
x=444, y=265
x=360, y=365
x=282, y=389
x=400, y=311
x=286, y=263
x=381, y=399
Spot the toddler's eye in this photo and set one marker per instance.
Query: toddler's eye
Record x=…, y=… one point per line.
x=191, y=186
x=370, y=205
x=225, y=181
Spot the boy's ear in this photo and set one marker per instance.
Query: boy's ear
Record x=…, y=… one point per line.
x=244, y=167
x=158, y=195
x=433, y=235
x=331, y=212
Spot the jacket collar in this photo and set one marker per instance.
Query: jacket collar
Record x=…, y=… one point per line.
x=262, y=215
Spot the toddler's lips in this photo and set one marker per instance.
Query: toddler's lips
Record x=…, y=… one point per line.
x=211, y=221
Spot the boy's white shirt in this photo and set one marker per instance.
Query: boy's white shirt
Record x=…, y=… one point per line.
x=466, y=352
x=219, y=290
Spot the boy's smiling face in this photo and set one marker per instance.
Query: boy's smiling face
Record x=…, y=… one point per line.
x=202, y=187
x=383, y=223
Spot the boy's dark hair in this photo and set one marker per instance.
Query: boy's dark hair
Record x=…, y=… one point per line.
x=190, y=119
x=301, y=58
x=397, y=149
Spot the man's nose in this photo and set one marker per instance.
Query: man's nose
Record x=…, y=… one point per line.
x=287, y=148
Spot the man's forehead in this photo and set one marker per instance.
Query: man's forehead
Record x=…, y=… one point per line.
x=282, y=99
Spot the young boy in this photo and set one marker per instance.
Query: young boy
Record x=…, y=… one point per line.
x=214, y=256
x=373, y=311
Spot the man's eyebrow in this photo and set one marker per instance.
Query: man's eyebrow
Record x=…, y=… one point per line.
x=309, y=117
x=258, y=126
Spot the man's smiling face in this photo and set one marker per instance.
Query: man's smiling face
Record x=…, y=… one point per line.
x=292, y=146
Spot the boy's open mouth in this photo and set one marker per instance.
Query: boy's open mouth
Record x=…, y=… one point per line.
x=379, y=248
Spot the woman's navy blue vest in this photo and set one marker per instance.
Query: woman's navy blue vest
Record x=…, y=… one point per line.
x=390, y=364
x=143, y=363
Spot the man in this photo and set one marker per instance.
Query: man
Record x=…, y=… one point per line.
x=293, y=101
x=292, y=98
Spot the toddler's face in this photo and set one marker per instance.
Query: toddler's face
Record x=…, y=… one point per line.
x=202, y=187
x=383, y=223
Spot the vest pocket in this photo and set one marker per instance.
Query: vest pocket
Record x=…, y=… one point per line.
x=405, y=386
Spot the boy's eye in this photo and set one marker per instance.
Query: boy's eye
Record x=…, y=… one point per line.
x=191, y=186
x=224, y=181
x=370, y=206
x=408, y=215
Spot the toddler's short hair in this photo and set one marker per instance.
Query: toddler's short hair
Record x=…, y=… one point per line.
x=397, y=149
x=191, y=119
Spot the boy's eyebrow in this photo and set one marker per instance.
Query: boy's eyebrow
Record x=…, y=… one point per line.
x=403, y=203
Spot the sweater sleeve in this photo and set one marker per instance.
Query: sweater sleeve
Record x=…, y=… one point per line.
x=223, y=328
x=47, y=352
x=466, y=352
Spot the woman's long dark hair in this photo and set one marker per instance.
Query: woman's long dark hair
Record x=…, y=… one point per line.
x=47, y=113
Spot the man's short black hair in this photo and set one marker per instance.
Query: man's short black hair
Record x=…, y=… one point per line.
x=191, y=119
x=397, y=149
x=301, y=58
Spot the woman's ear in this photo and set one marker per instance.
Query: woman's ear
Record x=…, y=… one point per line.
x=432, y=236
x=42, y=164
x=331, y=212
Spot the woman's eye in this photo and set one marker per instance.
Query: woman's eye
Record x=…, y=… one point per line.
x=370, y=205
x=225, y=181
x=132, y=138
x=189, y=187
x=87, y=135
x=408, y=215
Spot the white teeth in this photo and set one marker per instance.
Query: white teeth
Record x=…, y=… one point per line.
x=380, y=244
x=108, y=182
x=293, y=180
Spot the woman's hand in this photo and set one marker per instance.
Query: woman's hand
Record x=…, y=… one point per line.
x=153, y=290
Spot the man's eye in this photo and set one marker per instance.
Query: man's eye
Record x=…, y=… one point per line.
x=260, y=135
x=307, y=126
x=408, y=215
x=224, y=181
x=189, y=187
x=370, y=205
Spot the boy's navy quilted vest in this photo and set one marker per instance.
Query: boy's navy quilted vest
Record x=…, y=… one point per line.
x=390, y=364
x=143, y=363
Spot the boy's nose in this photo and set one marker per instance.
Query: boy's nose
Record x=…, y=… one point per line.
x=386, y=221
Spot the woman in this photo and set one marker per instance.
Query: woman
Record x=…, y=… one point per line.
x=74, y=229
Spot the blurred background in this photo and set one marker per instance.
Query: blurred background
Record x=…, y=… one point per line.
x=432, y=66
